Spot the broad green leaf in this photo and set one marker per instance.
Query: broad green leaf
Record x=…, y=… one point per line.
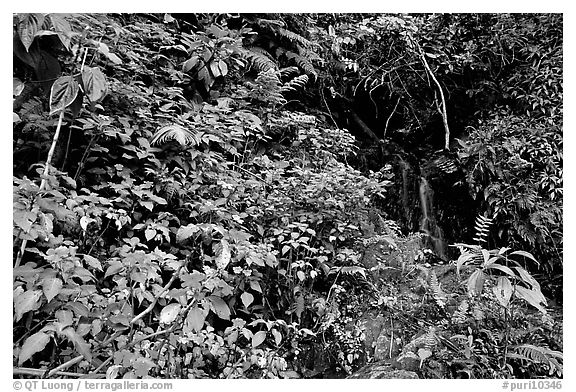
x=220, y=307
x=463, y=259
x=255, y=285
x=533, y=297
x=169, y=313
x=223, y=68
x=64, y=317
x=247, y=299
x=26, y=302
x=94, y=82
x=93, y=262
x=32, y=345
x=149, y=234
x=476, y=282
x=190, y=63
x=17, y=87
x=193, y=280
x=215, y=69
x=81, y=346
x=103, y=48
x=63, y=93
x=502, y=268
x=62, y=28
x=525, y=254
x=277, y=336
x=424, y=353
x=28, y=26
x=301, y=275
x=486, y=256
x=115, y=267
x=258, y=338
x=527, y=278
x=195, y=319
x=51, y=286
x=223, y=258
x=186, y=232
x=503, y=291
x=79, y=309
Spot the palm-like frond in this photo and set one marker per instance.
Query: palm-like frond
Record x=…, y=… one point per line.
x=175, y=132
x=539, y=354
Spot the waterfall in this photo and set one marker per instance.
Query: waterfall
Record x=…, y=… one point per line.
x=428, y=225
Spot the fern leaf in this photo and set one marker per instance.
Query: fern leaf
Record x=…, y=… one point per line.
x=175, y=132
x=539, y=354
x=298, y=83
x=293, y=37
x=288, y=72
x=259, y=59
x=303, y=63
x=482, y=227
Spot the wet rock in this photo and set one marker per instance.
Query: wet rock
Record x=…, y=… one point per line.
x=382, y=370
x=407, y=361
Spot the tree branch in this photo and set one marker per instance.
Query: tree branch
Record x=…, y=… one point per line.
x=444, y=114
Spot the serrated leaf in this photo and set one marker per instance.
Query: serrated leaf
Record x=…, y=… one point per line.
x=223, y=258
x=169, y=313
x=51, y=286
x=247, y=299
x=33, y=345
x=26, y=302
x=63, y=93
x=195, y=319
x=258, y=338
x=28, y=26
x=94, y=82
x=220, y=307
x=93, y=262
x=80, y=344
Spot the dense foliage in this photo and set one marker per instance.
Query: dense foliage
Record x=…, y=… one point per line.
x=196, y=196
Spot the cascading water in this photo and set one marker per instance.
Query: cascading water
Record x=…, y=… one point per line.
x=428, y=225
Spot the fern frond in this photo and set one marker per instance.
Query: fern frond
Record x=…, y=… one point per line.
x=539, y=354
x=303, y=63
x=482, y=227
x=288, y=72
x=446, y=165
x=259, y=59
x=298, y=83
x=437, y=293
x=267, y=88
x=293, y=37
x=175, y=132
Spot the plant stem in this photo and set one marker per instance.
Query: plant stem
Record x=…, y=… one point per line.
x=44, y=180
